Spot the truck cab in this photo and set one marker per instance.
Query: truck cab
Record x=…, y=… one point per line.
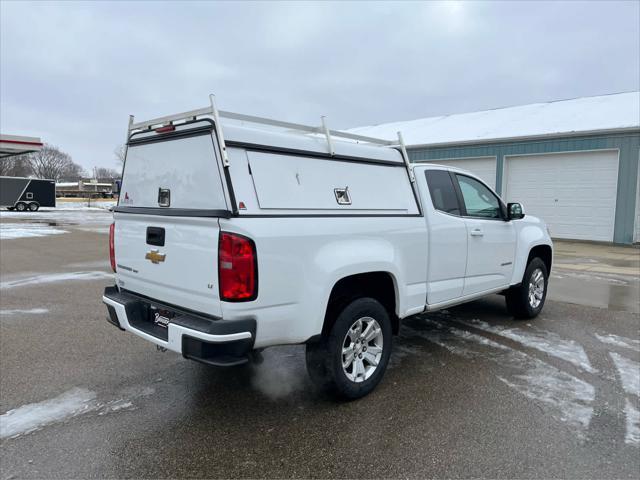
x=475, y=239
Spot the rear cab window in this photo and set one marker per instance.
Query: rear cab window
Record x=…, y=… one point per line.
x=443, y=194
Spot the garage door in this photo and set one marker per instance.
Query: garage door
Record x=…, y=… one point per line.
x=574, y=193
x=483, y=167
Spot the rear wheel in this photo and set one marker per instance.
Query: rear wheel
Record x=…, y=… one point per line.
x=351, y=359
x=21, y=206
x=526, y=300
x=33, y=207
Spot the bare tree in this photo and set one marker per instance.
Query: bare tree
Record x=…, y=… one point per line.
x=72, y=172
x=101, y=172
x=51, y=162
x=17, y=166
x=120, y=152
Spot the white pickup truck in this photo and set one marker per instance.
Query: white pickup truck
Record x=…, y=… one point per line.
x=235, y=233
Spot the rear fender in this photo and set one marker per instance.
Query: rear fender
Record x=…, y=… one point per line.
x=341, y=259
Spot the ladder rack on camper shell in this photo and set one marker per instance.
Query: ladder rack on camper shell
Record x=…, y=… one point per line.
x=217, y=114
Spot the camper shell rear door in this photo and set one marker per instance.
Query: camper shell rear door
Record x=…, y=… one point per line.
x=166, y=222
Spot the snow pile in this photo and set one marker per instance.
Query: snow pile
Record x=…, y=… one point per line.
x=605, y=112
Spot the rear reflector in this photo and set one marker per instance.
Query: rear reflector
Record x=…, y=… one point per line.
x=112, y=249
x=237, y=268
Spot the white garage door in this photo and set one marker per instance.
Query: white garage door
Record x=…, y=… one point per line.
x=574, y=193
x=483, y=167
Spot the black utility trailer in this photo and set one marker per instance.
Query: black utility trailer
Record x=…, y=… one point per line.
x=27, y=194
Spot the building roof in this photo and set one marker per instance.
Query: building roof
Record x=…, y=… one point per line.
x=11, y=145
x=614, y=112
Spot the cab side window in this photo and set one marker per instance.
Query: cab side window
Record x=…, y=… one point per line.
x=479, y=201
x=443, y=194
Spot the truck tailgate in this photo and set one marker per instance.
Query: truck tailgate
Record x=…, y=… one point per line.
x=183, y=271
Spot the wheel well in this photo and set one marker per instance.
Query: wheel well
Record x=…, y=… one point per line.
x=543, y=252
x=378, y=285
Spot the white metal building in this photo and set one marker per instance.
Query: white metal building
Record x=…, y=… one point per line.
x=572, y=162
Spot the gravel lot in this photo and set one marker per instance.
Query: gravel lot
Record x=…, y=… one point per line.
x=470, y=392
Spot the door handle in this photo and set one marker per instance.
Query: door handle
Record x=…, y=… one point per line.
x=476, y=232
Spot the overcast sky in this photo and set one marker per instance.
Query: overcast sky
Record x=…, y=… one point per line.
x=71, y=72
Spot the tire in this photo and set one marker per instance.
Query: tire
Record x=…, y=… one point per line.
x=526, y=300
x=33, y=207
x=21, y=206
x=360, y=376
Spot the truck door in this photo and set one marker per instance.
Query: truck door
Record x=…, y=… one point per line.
x=447, y=237
x=491, y=239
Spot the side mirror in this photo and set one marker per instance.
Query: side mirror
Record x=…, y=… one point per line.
x=516, y=211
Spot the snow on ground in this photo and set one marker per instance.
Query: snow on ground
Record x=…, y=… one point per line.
x=619, y=341
x=632, y=414
x=86, y=205
x=11, y=231
x=544, y=341
x=74, y=402
x=33, y=416
x=61, y=216
x=569, y=398
x=30, y=311
x=56, y=277
x=629, y=372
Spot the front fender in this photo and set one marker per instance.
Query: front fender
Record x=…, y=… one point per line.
x=530, y=234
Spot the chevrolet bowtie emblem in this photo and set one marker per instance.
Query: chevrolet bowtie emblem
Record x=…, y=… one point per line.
x=155, y=256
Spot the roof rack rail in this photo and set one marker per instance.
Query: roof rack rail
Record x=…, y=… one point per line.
x=323, y=129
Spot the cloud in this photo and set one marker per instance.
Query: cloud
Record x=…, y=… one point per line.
x=72, y=72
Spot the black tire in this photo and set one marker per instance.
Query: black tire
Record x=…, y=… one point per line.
x=21, y=206
x=33, y=207
x=325, y=358
x=518, y=300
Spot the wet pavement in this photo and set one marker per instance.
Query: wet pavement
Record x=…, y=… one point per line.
x=470, y=392
x=597, y=275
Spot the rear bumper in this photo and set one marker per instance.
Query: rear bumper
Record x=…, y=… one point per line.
x=197, y=337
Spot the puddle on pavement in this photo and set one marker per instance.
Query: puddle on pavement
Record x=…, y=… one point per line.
x=625, y=298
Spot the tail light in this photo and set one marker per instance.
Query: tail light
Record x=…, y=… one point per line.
x=112, y=249
x=237, y=268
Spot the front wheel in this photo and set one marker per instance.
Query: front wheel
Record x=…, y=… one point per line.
x=526, y=300
x=21, y=207
x=351, y=359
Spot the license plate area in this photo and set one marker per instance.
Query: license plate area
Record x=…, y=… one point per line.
x=160, y=316
x=153, y=320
